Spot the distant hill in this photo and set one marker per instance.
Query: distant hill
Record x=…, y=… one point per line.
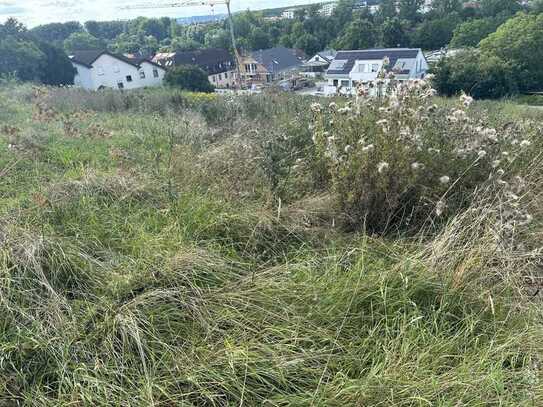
x=201, y=19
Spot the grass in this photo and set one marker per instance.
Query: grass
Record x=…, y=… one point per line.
x=146, y=261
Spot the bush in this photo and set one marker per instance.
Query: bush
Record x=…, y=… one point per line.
x=482, y=76
x=188, y=77
x=397, y=161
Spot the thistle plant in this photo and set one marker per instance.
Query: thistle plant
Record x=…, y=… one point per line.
x=400, y=160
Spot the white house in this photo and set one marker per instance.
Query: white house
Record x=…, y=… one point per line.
x=102, y=69
x=288, y=14
x=349, y=68
x=317, y=65
x=328, y=8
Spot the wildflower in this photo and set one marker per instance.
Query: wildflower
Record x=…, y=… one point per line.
x=525, y=143
x=316, y=107
x=444, y=179
x=490, y=134
x=500, y=172
x=382, y=167
x=440, y=207
x=434, y=150
x=367, y=148
x=505, y=153
x=331, y=139
x=466, y=100
x=417, y=166
x=528, y=218
x=345, y=110
x=481, y=153
x=332, y=105
x=348, y=148
x=495, y=163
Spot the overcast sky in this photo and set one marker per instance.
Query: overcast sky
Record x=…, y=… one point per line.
x=34, y=12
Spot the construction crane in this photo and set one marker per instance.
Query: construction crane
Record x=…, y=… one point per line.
x=192, y=3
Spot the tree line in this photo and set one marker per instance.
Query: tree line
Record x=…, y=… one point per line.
x=481, y=26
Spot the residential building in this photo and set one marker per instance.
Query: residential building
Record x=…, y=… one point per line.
x=350, y=68
x=328, y=8
x=219, y=64
x=318, y=64
x=102, y=69
x=279, y=62
x=288, y=13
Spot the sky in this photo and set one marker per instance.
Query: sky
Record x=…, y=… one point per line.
x=35, y=12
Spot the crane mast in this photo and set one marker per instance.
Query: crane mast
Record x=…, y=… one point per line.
x=191, y=3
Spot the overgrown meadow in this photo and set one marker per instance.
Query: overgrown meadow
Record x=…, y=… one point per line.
x=159, y=248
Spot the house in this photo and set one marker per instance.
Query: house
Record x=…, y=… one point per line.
x=102, y=69
x=349, y=68
x=278, y=62
x=328, y=8
x=219, y=64
x=288, y=13
x=318, y=64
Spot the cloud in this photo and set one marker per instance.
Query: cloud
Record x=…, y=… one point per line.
x=34, y=12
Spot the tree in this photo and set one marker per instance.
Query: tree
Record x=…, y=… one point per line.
x=470, y=33
x=218, y=38
x=259, y=39
x=394, y=33
x=20, y=57
x=56, y=33
x=442, y=8
x=409, y=9
x=188, y=77
x=82, y=41
x=106, y=30
x=518, y=42
x=359, y=34
x=55, y=68
x=308, y=43
x=434, y=33
x=183, y=44
x=476, y=74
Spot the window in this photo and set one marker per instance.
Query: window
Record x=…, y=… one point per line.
x=120, y=85
x=374, y=67
x=362, y=67
x=129, y=78
x=220, y=77
x=155, y=73
x=226, y=75
x=116, y=68
x=142, y=74
x=213, y=78
x=100, y=70
x=345, y=83
x=336, y=82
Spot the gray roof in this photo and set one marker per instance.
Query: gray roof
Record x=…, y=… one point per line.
x=87, y=58
x=279, y=59
x=351, y=57
x=328, y=54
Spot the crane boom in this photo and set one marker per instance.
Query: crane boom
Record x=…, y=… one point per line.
x=179, y=3
x=189, y=3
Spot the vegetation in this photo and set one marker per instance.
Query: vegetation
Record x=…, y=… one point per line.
x=167, y=248
x=31, y=59
x=188, y=77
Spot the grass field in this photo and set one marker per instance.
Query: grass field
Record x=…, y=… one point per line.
x=161, y=248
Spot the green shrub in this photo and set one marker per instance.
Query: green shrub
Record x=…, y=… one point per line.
x=188, y=78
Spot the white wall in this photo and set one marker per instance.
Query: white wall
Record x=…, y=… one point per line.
x=224, y=79
x=109, y=72
x=83, y=77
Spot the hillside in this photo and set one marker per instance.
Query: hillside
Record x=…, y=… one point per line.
x=165, y=248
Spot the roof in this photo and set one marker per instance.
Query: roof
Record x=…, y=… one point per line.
x=328, y=54
x=279, y=58
x=350, y=57
x=87, y=58
x=211, y=60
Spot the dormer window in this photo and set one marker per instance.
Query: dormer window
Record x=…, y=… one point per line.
x=100, y=70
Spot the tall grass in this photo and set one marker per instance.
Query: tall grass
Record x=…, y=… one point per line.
x=164, y=257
